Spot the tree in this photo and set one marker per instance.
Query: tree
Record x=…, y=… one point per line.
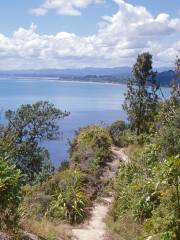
x=26, y=127
x=141, y=99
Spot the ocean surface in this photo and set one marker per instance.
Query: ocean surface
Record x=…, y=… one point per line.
x=88, y=103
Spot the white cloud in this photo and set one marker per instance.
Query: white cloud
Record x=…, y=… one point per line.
x=39, y=11
x=119, y=40
x=64, y=7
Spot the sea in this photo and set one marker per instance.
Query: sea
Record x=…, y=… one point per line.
x=88, y=103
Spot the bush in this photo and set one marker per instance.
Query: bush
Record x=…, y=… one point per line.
x=148, y=190
x=62, y=198
x=122, y=136
x=10, y=194
x=91, y=148
x=169, y=140
x=168, y=136
x=69, y=200
x=64, y=166
x=116, y=131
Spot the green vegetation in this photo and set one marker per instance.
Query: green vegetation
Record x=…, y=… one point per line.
x=90, y=150
x=117, y=131
x=20, y=138
x=141, y=98
x=22, y=160
x=62, y=198
x=10, y=194
x=35, y=198
x=147, y=197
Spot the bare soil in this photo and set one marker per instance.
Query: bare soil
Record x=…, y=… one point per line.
x=95, y=228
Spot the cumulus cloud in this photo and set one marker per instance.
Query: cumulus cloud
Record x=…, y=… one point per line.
x=64, y=7
x=120, y=38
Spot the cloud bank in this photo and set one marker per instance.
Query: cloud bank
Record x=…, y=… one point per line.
x=120, y=38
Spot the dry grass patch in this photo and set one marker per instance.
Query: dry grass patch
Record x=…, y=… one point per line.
x=124, y=229
x=47, y=230
x=132, y=150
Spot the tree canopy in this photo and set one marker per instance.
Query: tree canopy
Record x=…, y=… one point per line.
x=21, y=137
x=141, y=99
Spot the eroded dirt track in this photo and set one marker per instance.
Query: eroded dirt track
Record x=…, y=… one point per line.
x=95, y=228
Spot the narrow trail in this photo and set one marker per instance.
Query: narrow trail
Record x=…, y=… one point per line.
x=95, y=228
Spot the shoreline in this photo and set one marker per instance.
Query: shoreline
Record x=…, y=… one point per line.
x=55, y=79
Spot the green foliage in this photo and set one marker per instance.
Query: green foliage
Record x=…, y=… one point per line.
x=141, y=99
x=61, y=198
x=148, y=188
x=169, y=136
x=122, y=136
x=25, y=128
x=64, y=166
x=116, y=130
x=135, y=188
x=165, y=218
x=69, y=200
x=171, y=174
x=91, y=148
x=10, y=194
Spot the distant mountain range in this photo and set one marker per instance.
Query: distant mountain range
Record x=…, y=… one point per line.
x=116, y=75
x=75, y=72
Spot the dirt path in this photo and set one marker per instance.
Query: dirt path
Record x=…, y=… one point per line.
x=95, y=228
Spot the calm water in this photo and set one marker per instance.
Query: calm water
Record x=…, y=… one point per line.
x=87, y=102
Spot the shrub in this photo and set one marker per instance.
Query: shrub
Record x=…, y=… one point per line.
x=168, y=136
x=62, y=198
x=169, y=140
x=64, y=166
x=91, y=148
x=69, y=199
x=10, y=194
x=148, y=189
x=116, y=130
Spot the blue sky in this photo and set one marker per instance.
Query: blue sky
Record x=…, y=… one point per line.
x=71, y=33
x=16, y=13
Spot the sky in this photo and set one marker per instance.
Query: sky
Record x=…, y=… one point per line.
x=38, y=34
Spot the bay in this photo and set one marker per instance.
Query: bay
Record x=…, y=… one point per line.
x=88, y=103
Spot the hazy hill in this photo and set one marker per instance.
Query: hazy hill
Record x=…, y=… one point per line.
x=165, y=78
x=117, y=75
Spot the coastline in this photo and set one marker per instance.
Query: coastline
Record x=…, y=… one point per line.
x=55, y=79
